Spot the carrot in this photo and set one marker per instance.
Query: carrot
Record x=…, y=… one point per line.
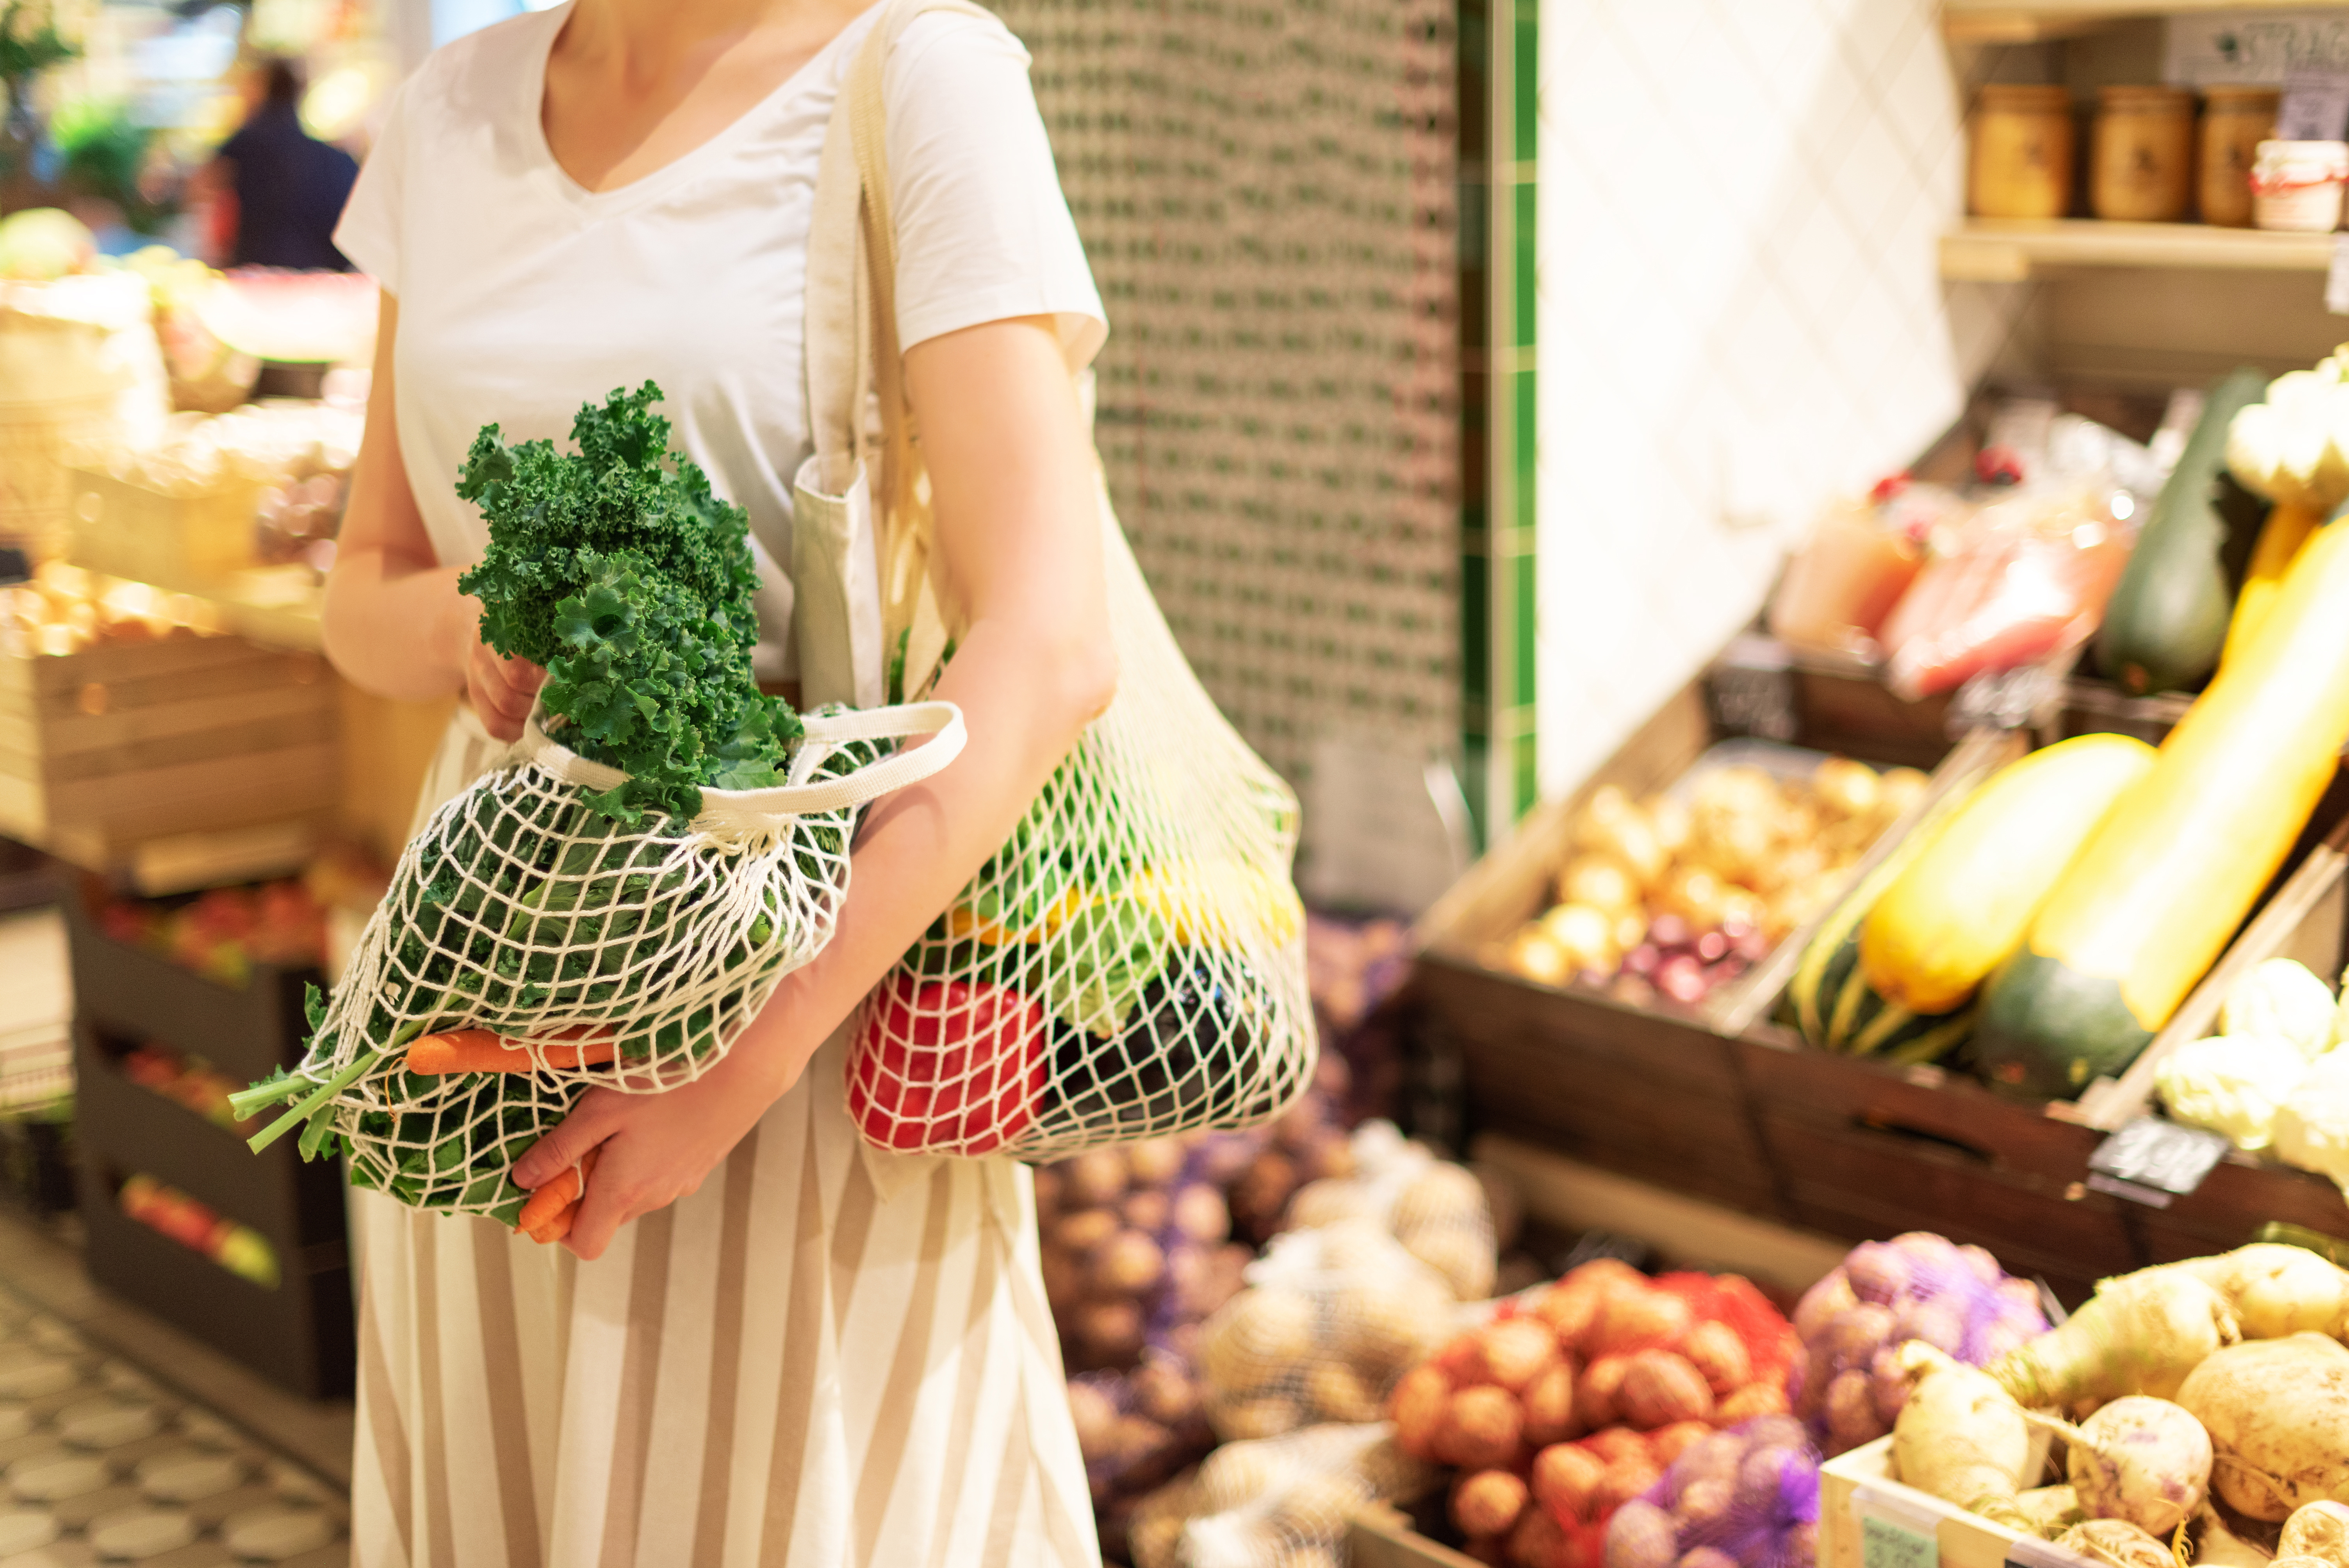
x=481, y=1051
x=546, y=1215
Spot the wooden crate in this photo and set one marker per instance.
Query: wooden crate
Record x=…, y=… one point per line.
x=1854, y=1484
x=125, y=528
x=1655, y=1094
x=1383, y=1538
x=125, y=744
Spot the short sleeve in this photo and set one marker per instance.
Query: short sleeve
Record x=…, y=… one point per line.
x=983, y=230
x=368, y=232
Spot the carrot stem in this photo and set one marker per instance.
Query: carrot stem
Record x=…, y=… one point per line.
x=301, y=1111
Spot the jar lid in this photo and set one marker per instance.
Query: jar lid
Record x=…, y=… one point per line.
x=2238, y=97
x=2026, y=95
x=2158, y=99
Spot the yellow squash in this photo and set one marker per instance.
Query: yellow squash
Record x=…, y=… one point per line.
x=2287, y=529
x=2154, y=896
x=1964, y=904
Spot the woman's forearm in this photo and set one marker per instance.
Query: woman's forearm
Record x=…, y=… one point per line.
x=1025, y=701
x=393, y=627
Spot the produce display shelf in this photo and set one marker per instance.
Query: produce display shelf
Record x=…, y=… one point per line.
x=1850, y=1482
x=275, y=607
x=1998, y=250
x=2008, y=22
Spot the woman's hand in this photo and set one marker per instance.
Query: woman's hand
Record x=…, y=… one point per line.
x=501, y=689
x=656, y=1148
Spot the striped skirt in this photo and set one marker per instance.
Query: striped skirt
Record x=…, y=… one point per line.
x=829, y=1355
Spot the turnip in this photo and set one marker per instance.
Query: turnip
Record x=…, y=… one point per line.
x=2317, y=1530
x=2142, y=1459
x=2277, y=1414
x=2116, y=1541
x=2052, y=1510
x=2278, y=1290
x=2140, y=1334
x=1962, y=1437
x=2216, y=1546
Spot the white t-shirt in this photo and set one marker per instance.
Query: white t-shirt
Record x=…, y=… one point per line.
x=523, y=295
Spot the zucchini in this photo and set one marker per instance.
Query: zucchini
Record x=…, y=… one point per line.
x=2154, y=896
x=2281, y=538
x=2168, y=616
x=1965, y=902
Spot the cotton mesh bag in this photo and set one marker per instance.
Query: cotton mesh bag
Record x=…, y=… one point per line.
x=567, y=922
x=1437, y=1209
x=1131, y=962
x=1280, y=1502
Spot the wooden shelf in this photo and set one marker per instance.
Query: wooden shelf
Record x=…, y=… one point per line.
x=1988, y=250
x=2007, y=22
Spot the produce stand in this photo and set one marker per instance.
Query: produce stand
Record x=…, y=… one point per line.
x=301, y=1334
x=1853, y=1484
x=1656, y=1095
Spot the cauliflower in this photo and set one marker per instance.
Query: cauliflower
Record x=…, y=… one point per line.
x=2233, y=1084
x=2311, y=1130
x=2294, y=447
x=2281, y=1000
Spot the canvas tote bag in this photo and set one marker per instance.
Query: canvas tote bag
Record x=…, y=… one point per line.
x=1131, y=962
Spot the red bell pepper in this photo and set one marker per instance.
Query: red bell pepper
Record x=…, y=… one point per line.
x=947, y=1065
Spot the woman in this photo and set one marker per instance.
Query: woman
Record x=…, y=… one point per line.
x=767, y=1342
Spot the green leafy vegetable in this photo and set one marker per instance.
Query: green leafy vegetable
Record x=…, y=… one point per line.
x=617, y=569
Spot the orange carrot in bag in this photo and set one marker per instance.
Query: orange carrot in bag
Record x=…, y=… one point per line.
x=548, y=1213
x=481, y=1051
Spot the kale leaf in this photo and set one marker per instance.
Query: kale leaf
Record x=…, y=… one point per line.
x=616, y=568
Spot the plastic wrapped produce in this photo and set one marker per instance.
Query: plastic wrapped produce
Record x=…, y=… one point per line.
x=1915, y=1287
x=2233, y=1084
x=1750, y=1494
x=1437, y=1209
x=2312, y=1128
x=2280, y=1000
x=2022, y=580
x=1279, y=1502
x=1331, y=1319
x=1860, y=559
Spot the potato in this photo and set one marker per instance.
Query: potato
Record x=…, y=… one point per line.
x=1570, y=1307
x=1565, y=1480
x=1094, y=1178
x=1337, y=1393
x=1064, y=1281
x=1599, y=881
x=1162, y=1392
x=1136, y=1439
x=1481, y=1427
x=1638, y=1319
x=1096, y=1416
x=1852, y=1418
x=1147, y=1210
x=1109, y=1330
x=1248, y=1419
x=1706, y=1557
x=1418, y=1409
x=1668, y=1443
x=1537, y=1540
x=1617, y=1444
x=1128, y=1264
x=1078, y=1233
x=1487, y=1503
x=1326, y=1156
x=1515, y=1351
x=1238, y=1475
x=1642, y=1535
x=1045, y=1179
x=1549, y=1406
x=1660, y=1388
x=1703, y=1503
x=1623, y=1481
x=1199, y=1213
x=1596, y=1392
x=1360, y=1247
x=1154, y=1161
x=1716, y=1352
x=1326, y=1202
x=1381, y=1327
x=1754, y=1399
x=1462, y=1258
x=1258, y=1336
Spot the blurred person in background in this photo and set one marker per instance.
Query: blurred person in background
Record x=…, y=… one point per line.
x=276, y=189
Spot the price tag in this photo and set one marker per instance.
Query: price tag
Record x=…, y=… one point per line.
x=1893, y=1532
x=2316, y=105
x=2151, y=1160
x=2336, y=277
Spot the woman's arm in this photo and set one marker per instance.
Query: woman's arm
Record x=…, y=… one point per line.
x=395, y=622
x=1019, y=529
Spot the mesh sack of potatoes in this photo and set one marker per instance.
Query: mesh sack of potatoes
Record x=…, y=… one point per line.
x=1136, y=1246
x=1331, y=1318
x=1437, y=1209
x=1136, y=1428
x=1277, y=1502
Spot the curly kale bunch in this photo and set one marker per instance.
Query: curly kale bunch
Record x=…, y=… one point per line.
x=615, y=568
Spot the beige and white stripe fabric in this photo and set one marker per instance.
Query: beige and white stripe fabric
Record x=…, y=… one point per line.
x=828, y=1355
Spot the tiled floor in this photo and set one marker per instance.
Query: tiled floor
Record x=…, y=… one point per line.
x=103, y=1462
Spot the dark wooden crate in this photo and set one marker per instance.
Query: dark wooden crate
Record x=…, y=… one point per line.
x=302, y=1335
x=1654, y=1093
x=1863, y=1151
x=244, y=1031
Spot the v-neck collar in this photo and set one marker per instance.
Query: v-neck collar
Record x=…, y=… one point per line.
x=677, y=171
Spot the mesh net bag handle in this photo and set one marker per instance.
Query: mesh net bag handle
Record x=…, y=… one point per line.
x=1131, y=962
